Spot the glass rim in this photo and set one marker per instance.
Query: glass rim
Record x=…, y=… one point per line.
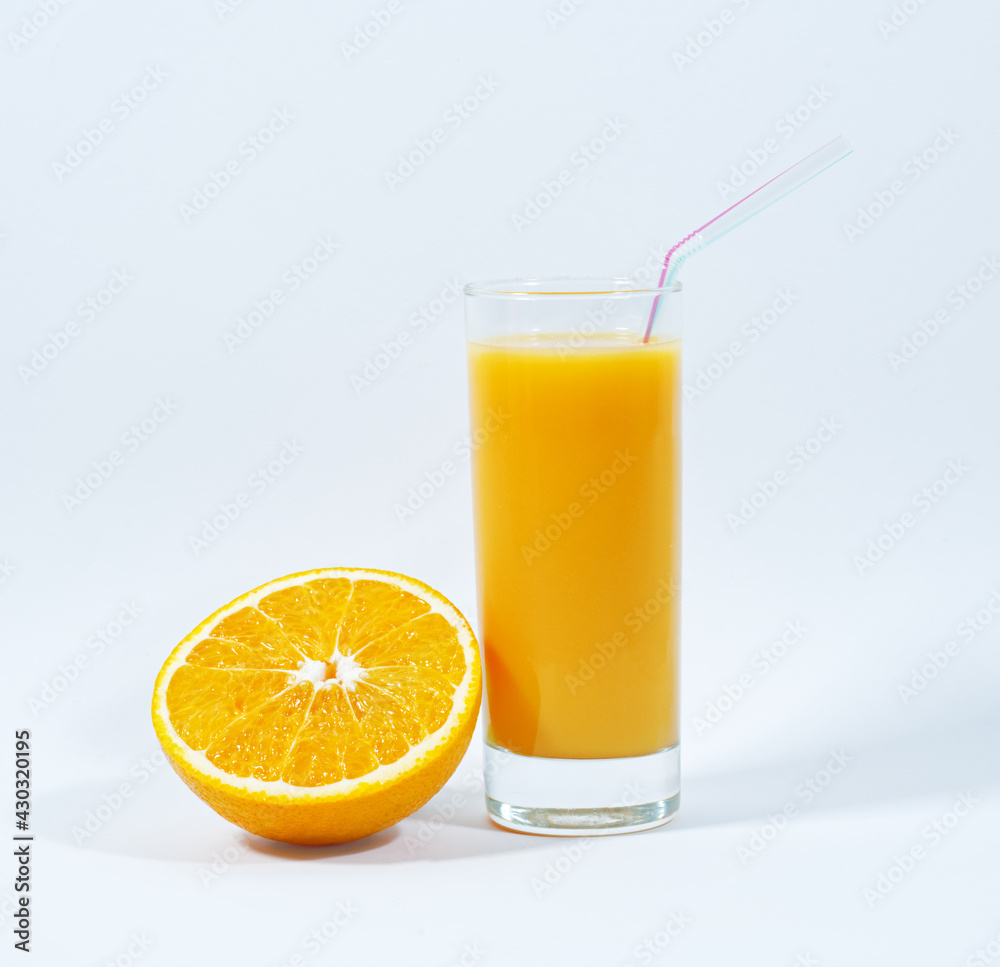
x=609, y=286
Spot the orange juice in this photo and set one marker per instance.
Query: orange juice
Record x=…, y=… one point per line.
x=577, y=503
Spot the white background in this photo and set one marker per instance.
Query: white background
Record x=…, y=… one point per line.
x=472, y=890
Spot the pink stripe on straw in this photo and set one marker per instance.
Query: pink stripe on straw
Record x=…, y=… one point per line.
x=663, y=275
x=712, y=221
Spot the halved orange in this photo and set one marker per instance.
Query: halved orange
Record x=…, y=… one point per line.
x=323, y=706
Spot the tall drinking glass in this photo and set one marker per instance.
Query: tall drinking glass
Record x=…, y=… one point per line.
x=576, y=427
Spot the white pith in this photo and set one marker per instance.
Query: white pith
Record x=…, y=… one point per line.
x=346, y=672
x=308, y=670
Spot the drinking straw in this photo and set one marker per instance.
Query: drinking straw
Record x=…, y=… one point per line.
x=748, y=206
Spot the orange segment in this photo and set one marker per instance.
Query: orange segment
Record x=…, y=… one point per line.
x=261, y=635
x=429, y=641
x=299, y=705
x=205, y=700
x=310, y=614
x=423, y=693
x=329, y=733
x=389, y=727
x=257, y=743
x=226, y=653
x=377, y=608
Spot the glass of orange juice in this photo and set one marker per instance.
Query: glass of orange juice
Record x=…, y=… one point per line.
x=576, y=428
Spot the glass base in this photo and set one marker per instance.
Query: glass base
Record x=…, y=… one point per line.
x=581, y=797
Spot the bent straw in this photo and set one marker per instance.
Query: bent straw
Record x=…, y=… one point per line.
x=736, y=214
